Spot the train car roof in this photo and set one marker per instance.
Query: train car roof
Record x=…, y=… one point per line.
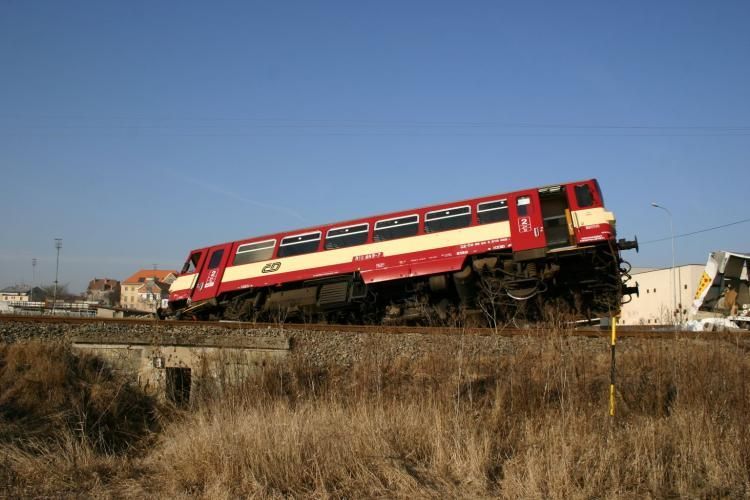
x=369, y=218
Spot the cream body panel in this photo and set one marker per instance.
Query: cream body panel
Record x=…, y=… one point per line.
x=387, y=248
x=592, y=216
x=183, y=283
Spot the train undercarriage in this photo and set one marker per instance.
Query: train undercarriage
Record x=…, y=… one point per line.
x=492, y=288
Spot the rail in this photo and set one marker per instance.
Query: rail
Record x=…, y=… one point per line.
x=623, y=332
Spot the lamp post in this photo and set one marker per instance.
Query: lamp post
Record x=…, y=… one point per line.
x=676, y=306
x=58, y=246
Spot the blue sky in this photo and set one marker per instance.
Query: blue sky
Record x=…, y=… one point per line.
x=139, y=130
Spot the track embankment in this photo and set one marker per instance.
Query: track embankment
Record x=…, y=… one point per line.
x=338, y=344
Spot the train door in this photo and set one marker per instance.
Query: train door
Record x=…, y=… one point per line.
x=526, y=223
x=182, y=288
x=558, y=229
x=210, y=275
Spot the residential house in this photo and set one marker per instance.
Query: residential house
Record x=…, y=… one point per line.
x=145, y=290
x=103, y=291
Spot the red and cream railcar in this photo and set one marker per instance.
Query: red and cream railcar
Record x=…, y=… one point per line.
x=555, y=242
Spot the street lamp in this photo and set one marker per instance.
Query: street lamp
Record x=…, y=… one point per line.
x=676, y=306
x=58, y=246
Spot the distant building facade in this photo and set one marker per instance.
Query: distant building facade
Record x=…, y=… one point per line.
x=658, y=291
x=144, y=290
x=22, y=293
x=104, y=291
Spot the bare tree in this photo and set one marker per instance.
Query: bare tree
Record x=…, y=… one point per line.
x=491, y=291
x=63, y=292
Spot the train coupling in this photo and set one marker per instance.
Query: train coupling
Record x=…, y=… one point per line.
x=624, y=244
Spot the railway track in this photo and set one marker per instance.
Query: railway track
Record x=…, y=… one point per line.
x=588, y=331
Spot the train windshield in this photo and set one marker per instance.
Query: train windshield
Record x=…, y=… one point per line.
x=191, y=264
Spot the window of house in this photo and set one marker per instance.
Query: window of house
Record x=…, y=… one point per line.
x=254, y=252
x=399, y=227
x=349, y=236
x=216, y=259
x=299, y=244
x=584, y=197
x=492, y=211
x=447, y=218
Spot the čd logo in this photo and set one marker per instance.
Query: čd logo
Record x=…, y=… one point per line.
x=271, y=267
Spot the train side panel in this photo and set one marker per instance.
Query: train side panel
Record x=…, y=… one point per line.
x=376, y=262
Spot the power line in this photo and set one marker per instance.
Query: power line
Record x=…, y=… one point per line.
x=696, y=232
x=134, y=132
x=328, y=122
x=238, y=126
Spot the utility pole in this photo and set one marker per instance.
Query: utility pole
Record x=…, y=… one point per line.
x=677, y=305
x=58, y=246
x=33, y=272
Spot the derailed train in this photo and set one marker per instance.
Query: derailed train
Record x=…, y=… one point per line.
x=511, y=252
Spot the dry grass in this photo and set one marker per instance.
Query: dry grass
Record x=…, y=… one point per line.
x=45, y=390
x=530, y=425
x=67, y=423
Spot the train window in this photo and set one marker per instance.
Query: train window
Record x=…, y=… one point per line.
x=400, y=227
x=299, y=244
x=191, y=264
x=522, y=205
x=447, y=218
x=216, y=259
x=584, y=197
x=349, y=236
x=254, y=252
x=492, y=211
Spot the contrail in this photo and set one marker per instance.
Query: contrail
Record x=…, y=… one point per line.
x=239, y=197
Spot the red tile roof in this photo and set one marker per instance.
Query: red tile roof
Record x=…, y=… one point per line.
x=141, y=275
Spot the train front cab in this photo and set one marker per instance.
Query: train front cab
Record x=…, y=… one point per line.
x=558, y=217
x=200, y=277
x=568, y=224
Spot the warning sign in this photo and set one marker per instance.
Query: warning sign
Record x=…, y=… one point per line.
x=704, y=282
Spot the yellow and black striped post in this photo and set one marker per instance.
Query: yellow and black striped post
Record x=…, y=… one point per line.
x=612, y=368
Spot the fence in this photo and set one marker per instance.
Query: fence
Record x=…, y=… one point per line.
x=79, y=309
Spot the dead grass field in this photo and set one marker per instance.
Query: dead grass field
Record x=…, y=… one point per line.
x=530, y=425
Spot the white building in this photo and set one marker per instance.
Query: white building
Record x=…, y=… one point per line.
x=658, y=292
x=22, y=293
